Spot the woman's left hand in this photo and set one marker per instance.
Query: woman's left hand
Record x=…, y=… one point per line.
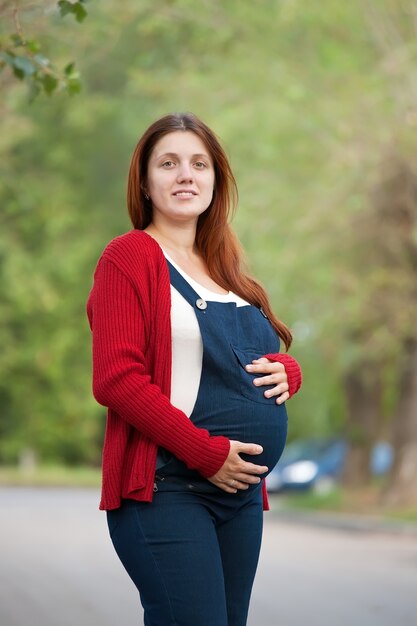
x=272, y=373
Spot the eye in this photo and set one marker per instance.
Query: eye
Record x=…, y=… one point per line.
x=168, y=164
x=200, y=165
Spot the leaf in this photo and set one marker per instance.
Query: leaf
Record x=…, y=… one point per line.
x=71, y=73
x=24, y=65
x=65, y=7
x=69, y=69
x=8, y=57
x=50, y=83
x=80, y=12
x=42, y=60
x=33, y=45
x=18, y=73
x=76, y=8
x=73, y=85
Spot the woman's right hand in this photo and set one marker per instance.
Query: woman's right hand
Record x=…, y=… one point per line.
x=235, y=473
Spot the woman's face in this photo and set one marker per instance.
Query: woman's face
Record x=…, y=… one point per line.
x=180, y=177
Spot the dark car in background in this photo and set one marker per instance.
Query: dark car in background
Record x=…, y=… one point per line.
x=318, y=464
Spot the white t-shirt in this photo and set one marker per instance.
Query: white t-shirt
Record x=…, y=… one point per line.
x=187, y=345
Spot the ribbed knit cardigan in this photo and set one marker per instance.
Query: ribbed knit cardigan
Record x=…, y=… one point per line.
x=129, y=315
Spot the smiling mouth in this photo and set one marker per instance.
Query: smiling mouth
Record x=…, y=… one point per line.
x=184, y=194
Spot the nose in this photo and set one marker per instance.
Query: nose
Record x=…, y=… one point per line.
x=185, y=173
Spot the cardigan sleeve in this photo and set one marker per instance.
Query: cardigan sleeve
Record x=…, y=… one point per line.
x=122, y=383
x=292, y=369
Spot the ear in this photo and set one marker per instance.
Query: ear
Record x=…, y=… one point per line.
x=145, y=193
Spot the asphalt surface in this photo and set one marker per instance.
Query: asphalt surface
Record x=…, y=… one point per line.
x=58, y=568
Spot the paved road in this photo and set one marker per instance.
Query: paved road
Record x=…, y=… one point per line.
x=58, y=568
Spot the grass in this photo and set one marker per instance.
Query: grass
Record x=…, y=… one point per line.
x=403, y=515
x=50, y=476
x=363, y=501
x=331, y=501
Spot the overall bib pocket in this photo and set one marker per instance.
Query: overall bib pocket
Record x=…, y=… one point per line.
x=245, y=356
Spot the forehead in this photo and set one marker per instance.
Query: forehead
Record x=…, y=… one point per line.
x=184, y=143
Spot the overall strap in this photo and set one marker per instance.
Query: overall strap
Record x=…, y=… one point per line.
x=184, y=288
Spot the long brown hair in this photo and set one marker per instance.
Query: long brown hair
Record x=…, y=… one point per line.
x=215, y=239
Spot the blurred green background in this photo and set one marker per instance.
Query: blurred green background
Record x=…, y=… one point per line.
x=315, y=104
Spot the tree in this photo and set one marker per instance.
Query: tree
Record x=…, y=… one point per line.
x=302, y=98
x=397, y=208
x=380, y=378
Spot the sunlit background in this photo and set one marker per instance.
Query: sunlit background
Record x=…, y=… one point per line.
x=316, y=105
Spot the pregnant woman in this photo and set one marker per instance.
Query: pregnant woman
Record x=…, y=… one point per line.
x=186, y=359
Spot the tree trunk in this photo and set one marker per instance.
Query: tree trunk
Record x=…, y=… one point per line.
x=363, y=391
x=402, y=489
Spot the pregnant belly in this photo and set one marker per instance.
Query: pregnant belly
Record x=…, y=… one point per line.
x=250, y=422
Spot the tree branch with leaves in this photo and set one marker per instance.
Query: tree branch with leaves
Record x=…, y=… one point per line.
x=21, y=52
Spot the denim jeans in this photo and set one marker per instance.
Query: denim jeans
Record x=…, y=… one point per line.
x=192, y=556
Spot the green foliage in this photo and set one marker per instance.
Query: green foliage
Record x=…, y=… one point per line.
x=300, y=96
x=50, y=476
x=75, y=8
x=25, y=57
x=332, y=500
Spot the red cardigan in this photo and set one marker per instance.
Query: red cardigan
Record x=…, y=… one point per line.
x=129, y=315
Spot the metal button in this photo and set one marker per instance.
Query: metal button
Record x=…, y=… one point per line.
x=201, y=304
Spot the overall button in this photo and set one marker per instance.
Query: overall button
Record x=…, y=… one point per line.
x=201, y=304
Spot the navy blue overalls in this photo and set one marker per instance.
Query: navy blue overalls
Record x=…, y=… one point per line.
x=193, y=552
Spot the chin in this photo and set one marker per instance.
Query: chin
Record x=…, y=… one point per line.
x=185, y=213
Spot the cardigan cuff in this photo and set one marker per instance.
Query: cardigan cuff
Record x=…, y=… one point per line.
x=292, y=369
x=217, y=453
